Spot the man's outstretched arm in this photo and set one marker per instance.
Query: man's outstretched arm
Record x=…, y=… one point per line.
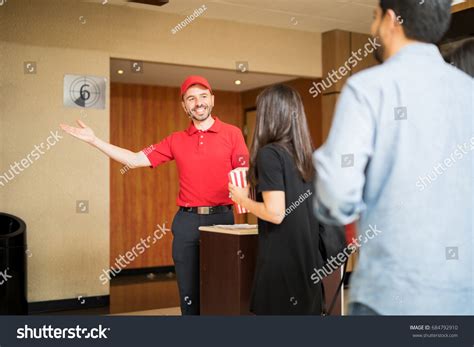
x=122, y=155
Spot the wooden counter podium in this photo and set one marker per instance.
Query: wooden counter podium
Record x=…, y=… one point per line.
x=227, y=265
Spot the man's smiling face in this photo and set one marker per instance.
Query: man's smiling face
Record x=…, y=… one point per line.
x=198, y=102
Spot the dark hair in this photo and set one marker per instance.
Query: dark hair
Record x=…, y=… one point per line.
x=281, y=120
x=463, y=57
x=425, y=22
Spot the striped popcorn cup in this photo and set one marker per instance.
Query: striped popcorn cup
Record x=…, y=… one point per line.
x=238, y=177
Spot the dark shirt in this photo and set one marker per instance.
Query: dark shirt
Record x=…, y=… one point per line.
x=288, y=252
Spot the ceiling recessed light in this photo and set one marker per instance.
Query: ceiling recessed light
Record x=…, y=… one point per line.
x=120, y=72
x=238, y=82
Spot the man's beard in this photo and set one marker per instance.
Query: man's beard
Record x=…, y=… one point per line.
x=203, y=117
x=378, y=53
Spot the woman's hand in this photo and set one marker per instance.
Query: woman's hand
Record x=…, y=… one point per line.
x=237, y=194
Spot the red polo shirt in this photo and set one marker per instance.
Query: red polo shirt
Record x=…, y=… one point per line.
x=204, y=159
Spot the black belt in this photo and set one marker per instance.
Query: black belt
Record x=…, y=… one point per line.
x=207, y=209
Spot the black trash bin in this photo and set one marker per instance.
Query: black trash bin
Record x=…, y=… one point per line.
x=12, y=265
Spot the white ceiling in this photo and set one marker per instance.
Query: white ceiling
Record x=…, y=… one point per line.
x=305, y=15
x=173, y=75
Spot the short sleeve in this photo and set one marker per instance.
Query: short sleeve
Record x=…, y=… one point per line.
x=240, y=153
x=159, y=153
x=269, y=170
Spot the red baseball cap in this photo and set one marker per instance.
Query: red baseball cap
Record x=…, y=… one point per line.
x=192, y=80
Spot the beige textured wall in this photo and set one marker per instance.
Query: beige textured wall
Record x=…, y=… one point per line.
x=70, y=250
x=146, y=35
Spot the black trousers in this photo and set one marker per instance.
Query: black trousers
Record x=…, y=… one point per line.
x=186, y=254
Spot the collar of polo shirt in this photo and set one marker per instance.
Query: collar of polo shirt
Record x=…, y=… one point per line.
x=213, y=129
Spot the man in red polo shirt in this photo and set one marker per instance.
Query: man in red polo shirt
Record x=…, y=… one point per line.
x=205, y=153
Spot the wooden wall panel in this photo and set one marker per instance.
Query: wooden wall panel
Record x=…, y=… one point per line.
x=140, y=295
x=336, y=50
x=328, y=106
x=312, y=105
x=142, y=199
x=338, y=46
x=358, y=41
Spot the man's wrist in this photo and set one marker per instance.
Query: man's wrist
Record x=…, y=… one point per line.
x=94, y=141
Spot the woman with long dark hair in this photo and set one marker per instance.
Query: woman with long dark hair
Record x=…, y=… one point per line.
x=282, y=172
x=463, y=57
